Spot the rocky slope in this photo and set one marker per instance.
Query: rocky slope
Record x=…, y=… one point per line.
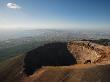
x=76, y=73
x=85, y=51
x=91, y=63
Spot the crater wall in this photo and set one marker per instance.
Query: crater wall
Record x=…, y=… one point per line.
x=53, y=54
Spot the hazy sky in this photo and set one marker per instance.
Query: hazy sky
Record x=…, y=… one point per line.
x=63, y=14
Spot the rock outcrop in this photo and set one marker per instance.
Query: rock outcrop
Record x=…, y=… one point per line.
x=85, y=51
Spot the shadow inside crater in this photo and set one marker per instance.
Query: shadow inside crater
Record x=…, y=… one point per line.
x=52, y=54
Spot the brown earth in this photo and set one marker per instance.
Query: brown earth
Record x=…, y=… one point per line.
x=76, y=73
x=83, y=51
x=86, y=50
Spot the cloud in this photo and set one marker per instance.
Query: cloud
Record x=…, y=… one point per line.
x=13, y=6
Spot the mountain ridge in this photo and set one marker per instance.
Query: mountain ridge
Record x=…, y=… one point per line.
x=12, y=69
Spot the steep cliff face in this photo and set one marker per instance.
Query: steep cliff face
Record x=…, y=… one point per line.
x=88, y=52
